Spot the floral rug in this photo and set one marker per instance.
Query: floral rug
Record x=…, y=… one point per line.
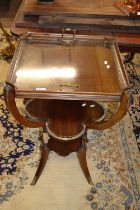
x=112, y=156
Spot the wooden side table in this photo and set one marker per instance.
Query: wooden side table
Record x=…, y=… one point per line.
x=63, y=78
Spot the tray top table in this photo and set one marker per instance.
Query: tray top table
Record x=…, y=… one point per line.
x=62, y=79
x=67, y=67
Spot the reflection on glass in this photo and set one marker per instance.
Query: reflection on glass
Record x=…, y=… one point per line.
x=84, y=104
x=92, y=105
x=108, y=66
x=65, y=72
x=41, y=88
x=105, y=62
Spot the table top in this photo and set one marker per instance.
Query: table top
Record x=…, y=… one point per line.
x=67, y=67
x=82, y=13
x=71, y=7
x=87, y=17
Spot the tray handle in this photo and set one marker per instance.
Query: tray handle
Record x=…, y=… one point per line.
x=64, y=31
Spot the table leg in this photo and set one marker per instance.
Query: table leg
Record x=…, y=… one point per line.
x=64, y=149
x=81, y=155
x=44, y=157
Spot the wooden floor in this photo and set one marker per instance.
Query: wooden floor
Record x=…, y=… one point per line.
x=7, y=13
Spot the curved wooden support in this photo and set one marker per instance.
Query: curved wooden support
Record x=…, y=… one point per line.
x=69, y=138
x=81, y=155
x=116, y=118
x=44, y=157
x=9, y=95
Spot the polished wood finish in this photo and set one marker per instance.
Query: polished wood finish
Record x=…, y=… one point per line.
x=37, y=69
x=81, y=7
x=63, y=149
x=62, y=78
x=115, y=118
x=9, y=94
x=66, y=110
x=101, y=18
x=86, y=111
x=64, y=122
x=81, y=154
x=43, y=160
x=74, y=14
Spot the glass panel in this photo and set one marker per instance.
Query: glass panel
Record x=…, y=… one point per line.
x=78, y=67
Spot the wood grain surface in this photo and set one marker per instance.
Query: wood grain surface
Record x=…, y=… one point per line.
x=80, y=7
x=105, y=20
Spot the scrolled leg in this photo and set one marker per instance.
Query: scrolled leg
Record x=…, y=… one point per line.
x=123, y=107
x=9, y=96
x=81, y=155
x=44, y=157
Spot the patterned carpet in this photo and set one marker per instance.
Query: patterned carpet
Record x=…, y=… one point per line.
x=112, y=156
